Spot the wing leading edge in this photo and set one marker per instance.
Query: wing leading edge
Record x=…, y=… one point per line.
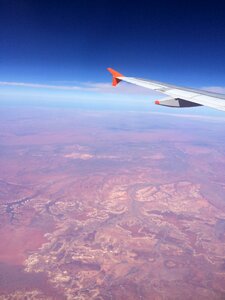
x=178, y=96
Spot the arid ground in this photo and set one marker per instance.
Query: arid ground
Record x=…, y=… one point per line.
x=111, y=205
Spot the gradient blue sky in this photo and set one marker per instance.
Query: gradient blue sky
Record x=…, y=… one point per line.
x=73, y=42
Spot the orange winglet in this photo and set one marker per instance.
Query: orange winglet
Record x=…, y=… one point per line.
x=115, y=74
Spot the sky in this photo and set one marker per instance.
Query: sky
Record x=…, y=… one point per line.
x=71, y=43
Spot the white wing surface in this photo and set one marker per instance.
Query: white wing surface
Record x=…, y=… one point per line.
x=178, y=96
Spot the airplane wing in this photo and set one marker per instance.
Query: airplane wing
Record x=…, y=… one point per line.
x=176, y=96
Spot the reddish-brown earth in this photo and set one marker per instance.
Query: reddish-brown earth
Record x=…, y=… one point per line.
x=111, y=205
x=18, y=242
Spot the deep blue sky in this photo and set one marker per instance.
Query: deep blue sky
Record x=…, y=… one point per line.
x=182, y=42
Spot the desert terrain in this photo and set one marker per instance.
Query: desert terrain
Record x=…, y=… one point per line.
x=111, y=205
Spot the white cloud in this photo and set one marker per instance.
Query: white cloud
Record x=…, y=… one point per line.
x=215, y=89
x=101, y=87
x=97, y=87
x=38, y=85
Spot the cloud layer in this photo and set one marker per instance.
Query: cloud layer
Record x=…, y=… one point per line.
x=93, y=87
x=38, y=85
x=215, y=89
x=123, y=88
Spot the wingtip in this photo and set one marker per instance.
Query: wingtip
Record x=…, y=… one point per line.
x=114, y=72
x=115, y=75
